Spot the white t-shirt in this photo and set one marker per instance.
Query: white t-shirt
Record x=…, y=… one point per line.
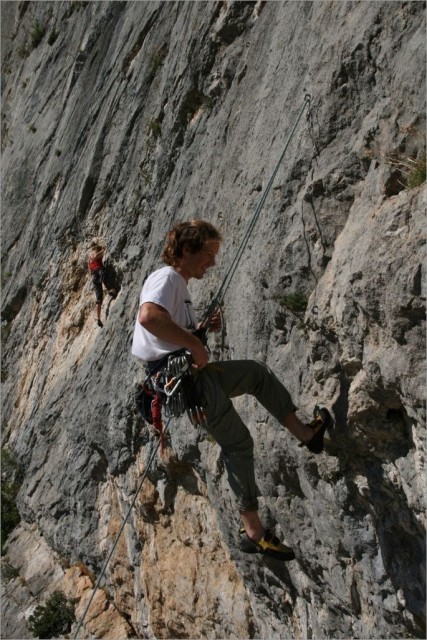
x=167, y=288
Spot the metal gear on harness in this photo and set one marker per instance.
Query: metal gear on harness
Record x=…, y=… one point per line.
x=173, y=389
x=180, y=389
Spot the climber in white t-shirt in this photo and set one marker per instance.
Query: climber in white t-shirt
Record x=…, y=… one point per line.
x=167, y=289
x=166, y=323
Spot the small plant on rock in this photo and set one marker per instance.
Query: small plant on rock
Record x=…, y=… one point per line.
x=410, y=172
x=157, y=59
x=296, y=302
x=37, y=34
x=192, y=102
x=76, y=5
x=417, y=173
x=52, y=36
x=154, y=126
x=8, y=572
x=53, y=619
x=22, y=52
x=11, y=480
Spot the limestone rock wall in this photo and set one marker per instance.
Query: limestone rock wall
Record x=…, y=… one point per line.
x=120, y=118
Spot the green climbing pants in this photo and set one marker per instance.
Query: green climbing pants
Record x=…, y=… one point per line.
x=217, y=383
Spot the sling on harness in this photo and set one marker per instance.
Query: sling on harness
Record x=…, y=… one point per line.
x=148, y=403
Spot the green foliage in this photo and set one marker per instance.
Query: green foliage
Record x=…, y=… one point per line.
x=3, y=373
x=207, y=103
x=37, y=34
x=8, y=572
x=53, y=619
x=76, y=5
x=6, y=328
x=53, y=36
x=146, y=175
x=154, y=126
x=22, y=52
x=11, y=480
x=157, y=59
x=411, y=171
x=295, y=301
x=192, y=102
x=417, y=174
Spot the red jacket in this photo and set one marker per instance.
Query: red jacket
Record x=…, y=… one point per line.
x=95, y=264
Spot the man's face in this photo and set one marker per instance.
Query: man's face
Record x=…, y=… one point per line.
x=195, y=265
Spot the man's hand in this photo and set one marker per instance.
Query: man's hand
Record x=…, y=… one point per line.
x=199, y=354
x=215, y=321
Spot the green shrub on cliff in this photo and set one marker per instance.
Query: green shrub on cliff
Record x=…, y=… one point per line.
x=37, y=34
x=54, y=618
x=417, y=173
x=11, y=479
x=295, y=301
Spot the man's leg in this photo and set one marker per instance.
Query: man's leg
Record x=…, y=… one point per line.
x=238, y=377
x=252, y=524
x=98, y=313
x=97, y=283
x=236, y=443
x=229, y=431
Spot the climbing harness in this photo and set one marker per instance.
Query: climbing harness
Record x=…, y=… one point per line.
x=171, y=385
x=218, y=300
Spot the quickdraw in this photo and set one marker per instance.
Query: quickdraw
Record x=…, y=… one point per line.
x=184, y=396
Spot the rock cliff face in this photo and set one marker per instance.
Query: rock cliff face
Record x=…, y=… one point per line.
x=120, y=118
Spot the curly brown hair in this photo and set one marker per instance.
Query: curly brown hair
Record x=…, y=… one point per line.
x=192, y=234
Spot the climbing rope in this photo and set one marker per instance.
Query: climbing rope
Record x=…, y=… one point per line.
x=101, y=575
x=219, y=298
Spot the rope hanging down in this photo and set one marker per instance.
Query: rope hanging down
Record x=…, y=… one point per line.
x=216, y=302
x=219, y=298
x=101, y=575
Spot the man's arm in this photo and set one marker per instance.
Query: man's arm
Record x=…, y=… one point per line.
x=157, y=321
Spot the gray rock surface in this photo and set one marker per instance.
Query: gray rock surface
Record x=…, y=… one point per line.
x=120, y=118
